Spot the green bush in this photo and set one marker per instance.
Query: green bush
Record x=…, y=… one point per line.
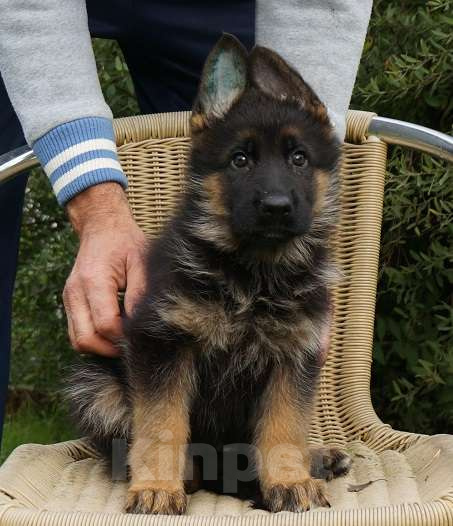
x=47, y=249
x=406, y=72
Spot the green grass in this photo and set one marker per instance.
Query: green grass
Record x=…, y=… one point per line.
x=33, y=423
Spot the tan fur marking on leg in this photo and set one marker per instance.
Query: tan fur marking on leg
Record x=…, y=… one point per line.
x=160, y=435
x=281, y=436
x=281, y=439
x=157, y=457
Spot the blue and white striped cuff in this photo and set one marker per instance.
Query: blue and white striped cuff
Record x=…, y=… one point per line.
x=79, y=154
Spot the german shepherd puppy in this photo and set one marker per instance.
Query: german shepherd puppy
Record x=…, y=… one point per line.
x=226, y=345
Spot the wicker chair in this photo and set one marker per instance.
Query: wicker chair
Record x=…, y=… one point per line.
x=398, y=478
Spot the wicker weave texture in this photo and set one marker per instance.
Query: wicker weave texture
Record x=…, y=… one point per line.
x=67, y=484
x=413, y=474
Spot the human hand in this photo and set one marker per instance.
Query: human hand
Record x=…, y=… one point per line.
x=110, y=259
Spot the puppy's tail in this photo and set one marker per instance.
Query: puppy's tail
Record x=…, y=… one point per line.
x=97, y=393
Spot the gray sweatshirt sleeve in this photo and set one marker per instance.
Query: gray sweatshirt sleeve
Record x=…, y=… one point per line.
x=323, y=40
x=48, y=66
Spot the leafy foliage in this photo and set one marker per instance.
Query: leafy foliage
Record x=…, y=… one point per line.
x=406, y=72
x=47, y=249
x=116, y=82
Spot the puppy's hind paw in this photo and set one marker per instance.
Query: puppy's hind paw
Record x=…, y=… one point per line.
x=329, y=463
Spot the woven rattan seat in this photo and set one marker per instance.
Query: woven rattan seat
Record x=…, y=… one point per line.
x=398, y=478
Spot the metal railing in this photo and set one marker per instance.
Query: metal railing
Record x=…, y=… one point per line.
x=391, y=131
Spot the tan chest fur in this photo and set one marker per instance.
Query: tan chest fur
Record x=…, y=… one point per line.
x=216, y=328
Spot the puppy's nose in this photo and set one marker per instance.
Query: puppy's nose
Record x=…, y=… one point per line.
x=276, y=206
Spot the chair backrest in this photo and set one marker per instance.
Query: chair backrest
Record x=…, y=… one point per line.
x=153, y=151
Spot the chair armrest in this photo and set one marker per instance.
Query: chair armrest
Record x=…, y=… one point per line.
x=403, y=133
x=16, y=161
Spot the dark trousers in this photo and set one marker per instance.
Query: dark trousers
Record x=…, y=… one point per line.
x=165, y=44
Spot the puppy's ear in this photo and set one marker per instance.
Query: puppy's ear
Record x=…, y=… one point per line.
x=223, y=80
x=272, y=75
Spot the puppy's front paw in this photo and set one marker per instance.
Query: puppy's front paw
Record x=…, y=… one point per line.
x=156, y=501
x=296, y=497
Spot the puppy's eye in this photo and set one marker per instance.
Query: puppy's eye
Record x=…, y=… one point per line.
x=239, y=160
x=298, y=158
